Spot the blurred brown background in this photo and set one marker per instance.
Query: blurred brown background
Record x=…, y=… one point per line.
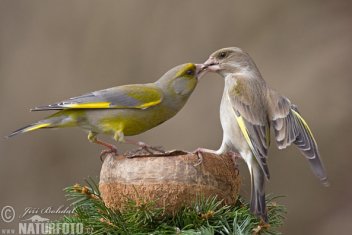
x=52, y=50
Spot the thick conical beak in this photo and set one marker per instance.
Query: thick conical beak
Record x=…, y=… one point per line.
x=211, y=65
x=200, y=70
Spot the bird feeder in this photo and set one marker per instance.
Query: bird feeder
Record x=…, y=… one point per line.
x=172, y=181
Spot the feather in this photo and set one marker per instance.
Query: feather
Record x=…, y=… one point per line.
x=290, y=127
x=127, y=97
x=252, y=120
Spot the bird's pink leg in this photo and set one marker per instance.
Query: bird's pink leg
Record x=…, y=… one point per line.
x=92, y=137
x=145, y=146
x=110, y=148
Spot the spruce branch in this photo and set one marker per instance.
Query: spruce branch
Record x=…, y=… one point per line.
x=204, y=216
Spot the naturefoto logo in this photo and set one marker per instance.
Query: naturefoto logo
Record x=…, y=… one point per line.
x=37, y=218
x=47, y=227
x=36, y=221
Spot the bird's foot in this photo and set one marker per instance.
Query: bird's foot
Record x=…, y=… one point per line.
x=142, y=153
x=111, y=149
x=199, y=152
x=234, y=155
x=151, y=149
x=145, y=150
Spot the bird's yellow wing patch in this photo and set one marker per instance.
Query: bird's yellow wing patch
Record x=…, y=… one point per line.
x=105, y=105
x=149, y=104
x=244, y=131
x=259, y=154
x=146, y=96
x=97, y=105
x=304, y=123
x=137, y=96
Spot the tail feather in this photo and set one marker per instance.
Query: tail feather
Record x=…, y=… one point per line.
x=31, y=127
x=258, y=204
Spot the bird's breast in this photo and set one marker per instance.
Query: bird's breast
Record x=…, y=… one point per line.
x=232, y=134
x=129, y=121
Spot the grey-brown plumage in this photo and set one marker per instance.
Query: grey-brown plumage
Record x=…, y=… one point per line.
x=248, y=109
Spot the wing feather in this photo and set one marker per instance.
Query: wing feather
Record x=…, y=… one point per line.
x=127, y=97
x=290, y=127
x=252, y=120
x=257, y=142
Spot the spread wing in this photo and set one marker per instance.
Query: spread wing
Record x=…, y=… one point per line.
x=253, y=121
x=290, y=127
x=129, y=96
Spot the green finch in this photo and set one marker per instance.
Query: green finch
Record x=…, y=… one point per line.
x=248, y=109
x=123, y=110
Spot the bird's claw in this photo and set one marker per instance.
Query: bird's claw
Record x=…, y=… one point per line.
x=235, y=155
x=145, y=150
x=154, y=149
x=107, y=151
x=199, y=154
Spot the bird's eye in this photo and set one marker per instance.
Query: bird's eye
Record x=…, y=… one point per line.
x=190, y=72
x=223, y=54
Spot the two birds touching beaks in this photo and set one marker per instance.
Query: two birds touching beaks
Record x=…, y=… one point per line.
x=247, y=111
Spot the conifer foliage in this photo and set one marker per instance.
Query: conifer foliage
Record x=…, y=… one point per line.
x=205, y=216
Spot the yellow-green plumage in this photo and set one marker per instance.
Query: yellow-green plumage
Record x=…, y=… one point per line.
x=124, y=110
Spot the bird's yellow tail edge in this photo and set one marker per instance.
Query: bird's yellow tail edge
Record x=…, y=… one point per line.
x=36, y=127
x=29, y=128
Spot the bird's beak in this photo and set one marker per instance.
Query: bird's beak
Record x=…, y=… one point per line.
x=211, y=65
x=200, y=70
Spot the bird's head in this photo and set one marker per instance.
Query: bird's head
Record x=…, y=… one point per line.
x=181, y=80
x=227, y=60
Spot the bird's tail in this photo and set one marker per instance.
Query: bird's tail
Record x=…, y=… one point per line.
x=31, y=127
x=65, y=118
x=258, y=205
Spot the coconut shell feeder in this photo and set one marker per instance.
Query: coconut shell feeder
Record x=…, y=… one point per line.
x=172, y=181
